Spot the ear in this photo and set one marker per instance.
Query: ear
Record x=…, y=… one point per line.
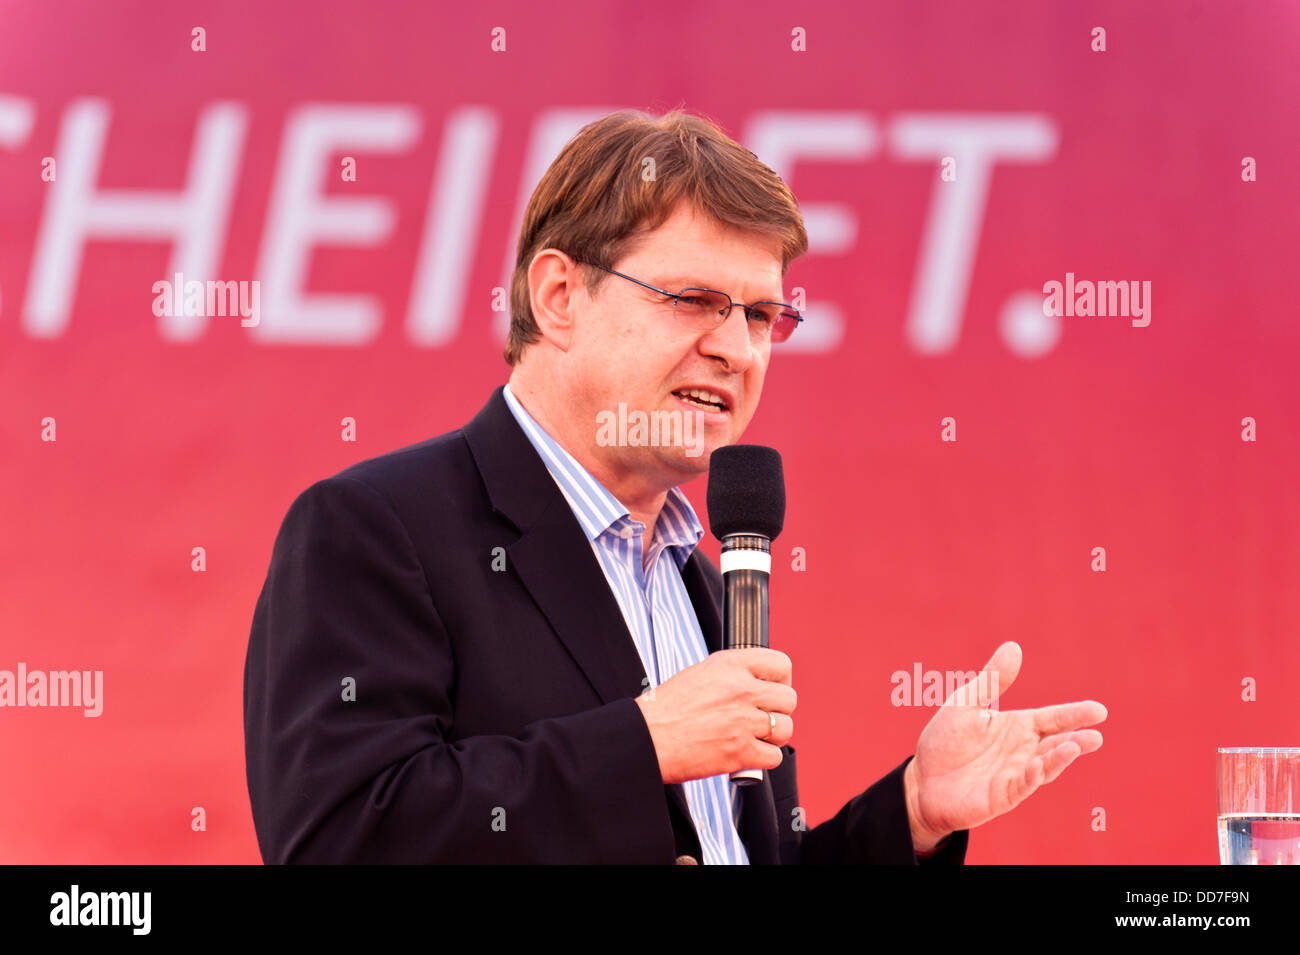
x=553, y=283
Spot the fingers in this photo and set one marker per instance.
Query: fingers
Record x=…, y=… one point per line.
x=776, y=697
x=769, y=684
x=1088, y=741
x=767, y=741
x=769, y=756
x=1064, y=717
x=1054, y=763
x=764, y=732
x=765, y=663
x=1042, y=769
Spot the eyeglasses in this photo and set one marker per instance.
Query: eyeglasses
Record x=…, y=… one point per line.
x=706, y=309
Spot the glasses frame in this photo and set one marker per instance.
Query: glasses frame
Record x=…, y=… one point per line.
x=724, y=315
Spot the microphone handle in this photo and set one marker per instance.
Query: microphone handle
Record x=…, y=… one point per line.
x=746, y=569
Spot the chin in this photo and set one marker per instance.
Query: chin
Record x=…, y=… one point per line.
x=686, y=458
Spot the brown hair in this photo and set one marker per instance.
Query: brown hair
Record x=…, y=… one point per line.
x=593, y=201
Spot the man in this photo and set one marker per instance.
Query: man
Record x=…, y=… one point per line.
x=502, y=644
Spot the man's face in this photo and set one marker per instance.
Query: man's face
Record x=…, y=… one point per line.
x=629, y=347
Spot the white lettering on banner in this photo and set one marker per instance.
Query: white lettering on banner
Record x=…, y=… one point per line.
x=782, y=138
x=17, y=116
x=301, y=215
x=451, y=227
x=957, y=209
x=75, y=212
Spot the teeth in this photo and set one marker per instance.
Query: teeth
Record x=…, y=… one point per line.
x=704, y=395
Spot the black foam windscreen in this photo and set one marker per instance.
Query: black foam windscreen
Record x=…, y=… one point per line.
x=746, y=491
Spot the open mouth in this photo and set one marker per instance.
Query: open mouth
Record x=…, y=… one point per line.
x=702, y=399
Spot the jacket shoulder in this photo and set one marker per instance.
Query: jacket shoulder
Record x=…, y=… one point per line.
x=431, y=483
x=394, y=470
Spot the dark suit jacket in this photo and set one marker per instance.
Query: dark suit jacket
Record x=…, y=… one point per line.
x=439, y=672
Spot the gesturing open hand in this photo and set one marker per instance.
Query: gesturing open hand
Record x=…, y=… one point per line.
x=974, y=762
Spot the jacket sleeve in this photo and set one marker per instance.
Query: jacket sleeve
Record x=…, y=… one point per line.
x=873, y=829
x=347, y=706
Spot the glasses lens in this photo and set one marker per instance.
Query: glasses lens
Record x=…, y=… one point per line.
x=702, y=307
x=780, y=320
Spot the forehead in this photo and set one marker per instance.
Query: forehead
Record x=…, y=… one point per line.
x=691, y=249
x=760, y=289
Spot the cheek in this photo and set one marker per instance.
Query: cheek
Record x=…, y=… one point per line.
x=754, y=387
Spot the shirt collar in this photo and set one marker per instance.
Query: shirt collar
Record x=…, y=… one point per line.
x=596, y=509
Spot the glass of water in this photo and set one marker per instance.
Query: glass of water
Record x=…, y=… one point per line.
x=1259, y=805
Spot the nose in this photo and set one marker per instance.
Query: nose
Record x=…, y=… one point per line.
x=730, y=341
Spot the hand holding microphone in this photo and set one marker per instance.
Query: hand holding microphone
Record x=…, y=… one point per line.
x=731, y=712
x=712, y=717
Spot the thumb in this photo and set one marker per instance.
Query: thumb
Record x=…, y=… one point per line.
x=991, y=682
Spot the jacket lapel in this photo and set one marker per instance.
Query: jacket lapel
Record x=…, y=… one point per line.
x=552, y=555
x=554, y=560
x=706, y=598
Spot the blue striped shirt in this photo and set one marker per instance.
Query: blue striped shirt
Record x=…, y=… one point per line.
x=655, y=605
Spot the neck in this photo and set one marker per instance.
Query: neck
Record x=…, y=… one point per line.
x=638, y=492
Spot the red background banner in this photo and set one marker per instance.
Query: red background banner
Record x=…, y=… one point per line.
x=924, y=302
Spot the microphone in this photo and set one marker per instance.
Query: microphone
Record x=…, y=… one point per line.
x=746, y=503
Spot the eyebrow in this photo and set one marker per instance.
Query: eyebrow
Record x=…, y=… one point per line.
x=677, y=283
